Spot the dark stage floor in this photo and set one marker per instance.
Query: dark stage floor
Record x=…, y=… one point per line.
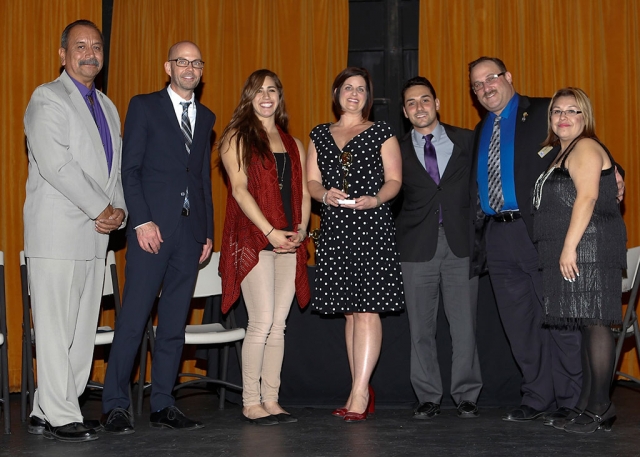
x=390, y=433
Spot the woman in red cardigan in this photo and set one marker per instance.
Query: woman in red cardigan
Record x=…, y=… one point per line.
x=264, y=251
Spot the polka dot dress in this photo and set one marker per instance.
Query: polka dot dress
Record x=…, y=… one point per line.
x=358, y=266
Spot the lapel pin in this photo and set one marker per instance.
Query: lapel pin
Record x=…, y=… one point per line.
x=524, y=116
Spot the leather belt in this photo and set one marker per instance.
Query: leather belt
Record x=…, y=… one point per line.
x=185, y=212
x=507, y=216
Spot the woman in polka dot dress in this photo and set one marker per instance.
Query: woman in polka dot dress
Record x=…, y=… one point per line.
x=354, y=168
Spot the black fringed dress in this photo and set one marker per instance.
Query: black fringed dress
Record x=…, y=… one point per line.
x=594, y=298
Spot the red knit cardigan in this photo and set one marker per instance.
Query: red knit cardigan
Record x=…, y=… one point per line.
x=242, y=241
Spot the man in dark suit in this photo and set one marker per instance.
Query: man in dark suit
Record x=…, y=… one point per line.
x=507, y=161
x=166, y=177
x=433, y=227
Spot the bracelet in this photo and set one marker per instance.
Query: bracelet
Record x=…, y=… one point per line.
x=378, y=201
x=324, y=198
x=269, y=232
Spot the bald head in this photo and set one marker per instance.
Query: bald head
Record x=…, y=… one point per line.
x=176, y=49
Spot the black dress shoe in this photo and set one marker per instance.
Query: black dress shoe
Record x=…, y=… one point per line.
x=467, y=409
x=561, y=413
x=266, y=420
x=93, y=423
x=426, y=410
x=284, y=418
x=118, y=422
x=522, y=414
x=36, y=425
x=172, y=417
x=73, y=432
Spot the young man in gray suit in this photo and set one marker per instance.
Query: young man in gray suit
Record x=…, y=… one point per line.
x=74, y=200
x=433, y=233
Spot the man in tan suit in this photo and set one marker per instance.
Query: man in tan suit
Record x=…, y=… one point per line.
x=74, y=200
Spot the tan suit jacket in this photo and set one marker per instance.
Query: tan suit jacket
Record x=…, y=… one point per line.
x=69, y=184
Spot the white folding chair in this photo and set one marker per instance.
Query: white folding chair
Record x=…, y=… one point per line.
x=104, y=335
x=208, y=285
x=4, y=359
x=629, y=326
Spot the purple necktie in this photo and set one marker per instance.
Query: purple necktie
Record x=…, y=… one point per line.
x=430, y=158
x=431, y=164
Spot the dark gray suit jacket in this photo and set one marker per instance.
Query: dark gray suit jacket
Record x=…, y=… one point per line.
x=418, y=219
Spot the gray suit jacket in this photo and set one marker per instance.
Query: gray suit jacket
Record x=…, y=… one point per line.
x=68, y=184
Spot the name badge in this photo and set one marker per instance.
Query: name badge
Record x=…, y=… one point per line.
x=544, y=151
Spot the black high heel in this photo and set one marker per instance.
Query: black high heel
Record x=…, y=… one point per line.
x=562, y=422
x=588, y=422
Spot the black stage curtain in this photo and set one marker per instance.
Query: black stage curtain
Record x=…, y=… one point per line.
x=316, y=371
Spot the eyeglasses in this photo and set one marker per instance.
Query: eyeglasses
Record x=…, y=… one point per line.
x=491, y=79
x=199, y=64
x=566, y=112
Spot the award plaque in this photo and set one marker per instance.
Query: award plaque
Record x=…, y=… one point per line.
x=346, y=160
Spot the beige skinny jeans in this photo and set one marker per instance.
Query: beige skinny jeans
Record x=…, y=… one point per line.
x=268, y=292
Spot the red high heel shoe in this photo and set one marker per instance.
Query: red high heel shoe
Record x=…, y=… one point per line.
x=340, y=412
x=351, y=416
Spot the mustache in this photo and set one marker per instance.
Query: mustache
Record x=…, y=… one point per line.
x=91, y=61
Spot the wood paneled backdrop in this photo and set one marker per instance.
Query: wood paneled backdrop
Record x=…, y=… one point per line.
x=546, y=44
x=304, y=42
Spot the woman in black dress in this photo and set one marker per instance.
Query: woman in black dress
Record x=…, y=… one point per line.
x=581, y=241
x=354, y=168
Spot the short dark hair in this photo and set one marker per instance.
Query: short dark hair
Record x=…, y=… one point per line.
x=64, y=39
x=339, y=81
x=495, y=60
x=418, y=81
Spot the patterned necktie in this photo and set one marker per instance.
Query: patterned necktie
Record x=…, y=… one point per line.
x=185, y=126
x=431, y=165
x=92, y=108
x=431, y=159
x=496, y=198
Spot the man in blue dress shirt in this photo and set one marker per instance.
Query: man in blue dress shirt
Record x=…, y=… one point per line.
x=507, y=161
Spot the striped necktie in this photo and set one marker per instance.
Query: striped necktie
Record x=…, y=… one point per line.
x=496, y=198
x=185, y=126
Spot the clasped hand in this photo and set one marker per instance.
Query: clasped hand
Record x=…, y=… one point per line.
x=284, y=241
x=109, y=219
